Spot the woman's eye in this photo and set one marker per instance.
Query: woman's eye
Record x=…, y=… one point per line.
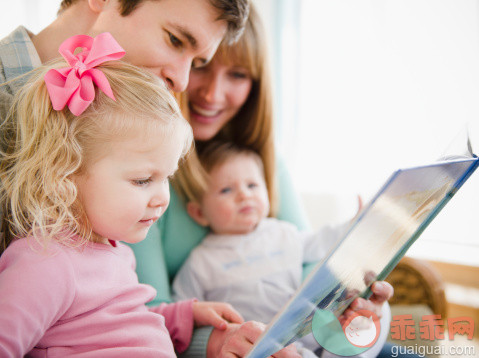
x=239, y=75
x=141, y=182
x=175, y=41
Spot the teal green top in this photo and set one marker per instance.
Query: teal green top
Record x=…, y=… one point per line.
x=171, y=239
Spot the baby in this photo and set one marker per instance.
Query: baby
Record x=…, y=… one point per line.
x=249, y=260
x=246, y=254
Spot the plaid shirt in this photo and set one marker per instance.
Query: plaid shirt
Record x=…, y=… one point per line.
x=17, y=57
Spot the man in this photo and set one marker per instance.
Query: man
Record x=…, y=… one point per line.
x=167, y=37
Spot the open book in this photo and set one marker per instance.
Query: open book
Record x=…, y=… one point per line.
x=374, y=243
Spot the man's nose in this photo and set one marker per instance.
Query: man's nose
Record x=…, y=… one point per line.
x=176, y=76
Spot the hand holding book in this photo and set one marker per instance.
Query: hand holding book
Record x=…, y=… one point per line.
x=376, y=240
x=382, y=291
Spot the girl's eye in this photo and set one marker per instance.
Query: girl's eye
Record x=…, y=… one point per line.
x=141, y=182
x=252, y=185
x=175, y=41
x=225, y=190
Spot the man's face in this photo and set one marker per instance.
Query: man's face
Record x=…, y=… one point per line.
x=166, y=37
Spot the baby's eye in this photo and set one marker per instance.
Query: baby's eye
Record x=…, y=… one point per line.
x=141, y=182
x=252, y=185
x=225, y=190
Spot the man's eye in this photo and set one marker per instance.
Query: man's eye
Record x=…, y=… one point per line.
x=197, y=69
x=175, y=41
x=199, y=64
x=141, y=182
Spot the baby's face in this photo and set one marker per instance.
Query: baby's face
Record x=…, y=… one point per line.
x=237, y=198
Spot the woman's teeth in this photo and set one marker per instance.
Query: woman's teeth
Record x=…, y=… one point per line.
x=205, y=112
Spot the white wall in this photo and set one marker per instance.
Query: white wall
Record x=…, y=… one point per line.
x=34, y=14
x=387, y=84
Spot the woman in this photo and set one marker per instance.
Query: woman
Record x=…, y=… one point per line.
x=230, y=98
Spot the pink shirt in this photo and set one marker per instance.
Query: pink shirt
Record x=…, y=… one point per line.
x=83, y=302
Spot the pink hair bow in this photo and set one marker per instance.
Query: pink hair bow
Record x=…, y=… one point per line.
x=73, y=86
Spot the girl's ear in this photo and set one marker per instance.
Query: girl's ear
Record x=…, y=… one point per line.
x=194, y=210
x=97, y=6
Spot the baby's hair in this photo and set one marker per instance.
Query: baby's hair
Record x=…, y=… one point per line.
x=218, y=152
x=48, y=147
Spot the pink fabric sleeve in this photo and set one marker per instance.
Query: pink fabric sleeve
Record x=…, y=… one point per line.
x=35, y=293
x=179, y=322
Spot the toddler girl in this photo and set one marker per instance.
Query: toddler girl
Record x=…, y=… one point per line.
x=77, y=182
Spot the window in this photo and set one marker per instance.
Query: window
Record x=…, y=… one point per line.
x=383, y=84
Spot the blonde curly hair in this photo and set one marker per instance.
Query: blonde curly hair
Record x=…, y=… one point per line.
x=46, y=148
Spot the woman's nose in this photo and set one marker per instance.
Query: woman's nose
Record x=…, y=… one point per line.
x=213, y=89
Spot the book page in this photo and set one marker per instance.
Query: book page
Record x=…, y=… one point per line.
x=374, y=243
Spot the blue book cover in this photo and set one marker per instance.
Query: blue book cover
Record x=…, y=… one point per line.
x=374, y=243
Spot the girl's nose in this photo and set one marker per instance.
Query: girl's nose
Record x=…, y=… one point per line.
x=161, y=196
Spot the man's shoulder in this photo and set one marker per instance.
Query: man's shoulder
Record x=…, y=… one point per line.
x=17, y=56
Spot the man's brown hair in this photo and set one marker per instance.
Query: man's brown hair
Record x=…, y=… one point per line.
x=234, y=12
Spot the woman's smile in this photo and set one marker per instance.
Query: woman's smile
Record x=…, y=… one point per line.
x=202, y=114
